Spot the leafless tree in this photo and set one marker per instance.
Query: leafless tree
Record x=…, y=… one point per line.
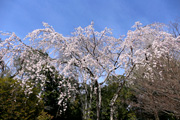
x=174, y=27
x=160, y=93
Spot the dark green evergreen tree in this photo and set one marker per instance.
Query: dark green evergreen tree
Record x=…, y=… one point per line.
x=16, y=104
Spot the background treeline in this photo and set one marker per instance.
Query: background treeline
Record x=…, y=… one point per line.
x=139, y=101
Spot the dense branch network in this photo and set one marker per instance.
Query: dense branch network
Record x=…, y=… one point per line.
x=87, y=55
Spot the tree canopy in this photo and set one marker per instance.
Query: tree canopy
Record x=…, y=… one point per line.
x=86, y=56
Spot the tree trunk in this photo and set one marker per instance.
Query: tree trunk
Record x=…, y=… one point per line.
x=2, y=68
x=85, y=106
x=112, y=111
x=113, y=100
x=90, y=100
x=156, y=115
x=98, y=99
x=120, y=86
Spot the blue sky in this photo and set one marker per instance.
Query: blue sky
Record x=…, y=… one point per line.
x=23, y=16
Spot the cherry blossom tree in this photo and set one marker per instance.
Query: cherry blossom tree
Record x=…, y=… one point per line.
x=86, y=56
x=28, y=63
x=159, y=50
x=146, y=43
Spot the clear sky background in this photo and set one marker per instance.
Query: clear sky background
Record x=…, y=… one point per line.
x=23, y=16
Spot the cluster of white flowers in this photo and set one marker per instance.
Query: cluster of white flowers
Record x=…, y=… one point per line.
x=86, y=53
